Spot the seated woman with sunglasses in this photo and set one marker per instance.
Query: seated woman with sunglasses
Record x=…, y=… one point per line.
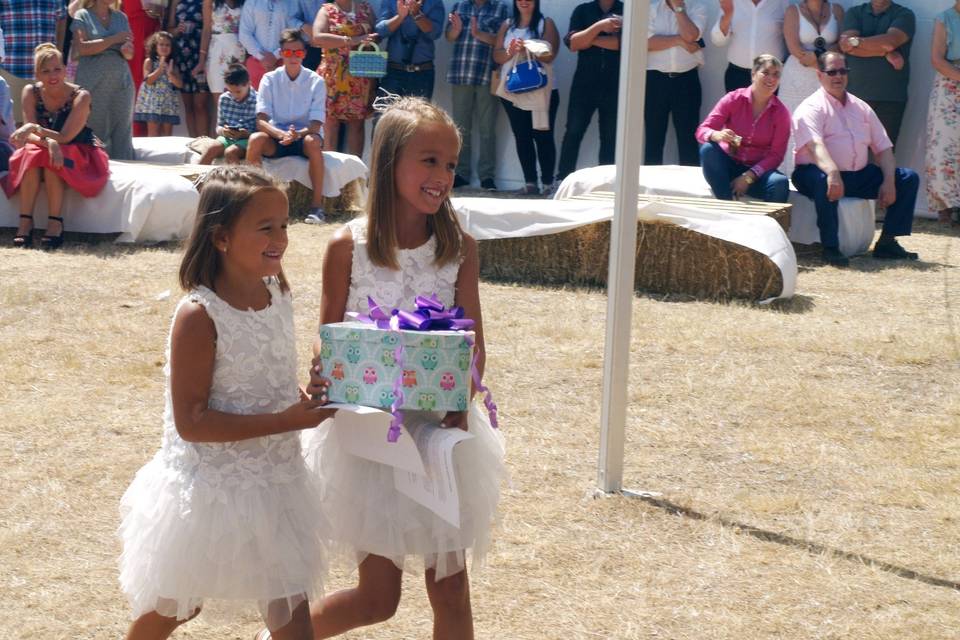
x=290, y=113
x=745, y=136
x=54, y=146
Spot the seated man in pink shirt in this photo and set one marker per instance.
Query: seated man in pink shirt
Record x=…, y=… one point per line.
x=833, y=131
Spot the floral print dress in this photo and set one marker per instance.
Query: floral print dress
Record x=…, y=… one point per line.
x=190, y=14
x=348, y=98
x=943, y=127
x=225, y=47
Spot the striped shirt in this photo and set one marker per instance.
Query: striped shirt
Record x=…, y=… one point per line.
x=472, y=60
x=26, y=24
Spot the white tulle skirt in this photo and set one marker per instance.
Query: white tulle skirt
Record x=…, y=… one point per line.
x=797, y=84
x=186, y=540
x=369, y=516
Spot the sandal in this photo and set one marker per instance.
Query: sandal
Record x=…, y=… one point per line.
x=24, y=241
x=263, y=634
x=52, y=242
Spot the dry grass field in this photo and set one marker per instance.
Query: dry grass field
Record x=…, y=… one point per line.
x=807, y=453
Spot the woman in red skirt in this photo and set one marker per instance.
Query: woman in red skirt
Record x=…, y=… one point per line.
x=54, y=146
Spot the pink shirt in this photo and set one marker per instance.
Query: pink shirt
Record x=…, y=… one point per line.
x=848, y=130
x=763, y=140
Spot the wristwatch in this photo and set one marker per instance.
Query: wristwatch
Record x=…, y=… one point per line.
x=748, y=177
x=854, y=41
x=679, y=9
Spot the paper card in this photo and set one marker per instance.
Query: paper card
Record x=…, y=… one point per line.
x=436, y=489
x=362, y=431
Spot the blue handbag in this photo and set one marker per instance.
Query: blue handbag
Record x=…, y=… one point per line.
x=368, y=64
x=526, y=75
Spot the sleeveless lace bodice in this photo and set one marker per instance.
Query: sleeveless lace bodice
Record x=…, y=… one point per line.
x=808, y=31
x=418, y=275
x=254, y=372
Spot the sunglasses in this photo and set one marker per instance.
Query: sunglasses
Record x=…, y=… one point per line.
x=837, y=72
x=291, y=53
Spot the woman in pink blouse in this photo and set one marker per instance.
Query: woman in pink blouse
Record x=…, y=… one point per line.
x=745, y=136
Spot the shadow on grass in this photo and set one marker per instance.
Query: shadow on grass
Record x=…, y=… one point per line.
x=799, y=543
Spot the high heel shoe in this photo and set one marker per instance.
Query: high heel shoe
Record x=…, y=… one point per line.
x=49, y=242
x=24, y=241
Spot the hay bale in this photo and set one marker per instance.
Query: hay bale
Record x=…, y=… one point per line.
x=350, y=201
x=669, y=259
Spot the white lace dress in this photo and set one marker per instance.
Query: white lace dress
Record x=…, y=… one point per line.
x=366, y=512
x=236, y=521
x=799, y=82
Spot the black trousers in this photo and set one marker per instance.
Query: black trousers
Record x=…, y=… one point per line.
x=587, y=96
x=677, y=95
x=736, y=78
x=533, y=144
x=890, y=115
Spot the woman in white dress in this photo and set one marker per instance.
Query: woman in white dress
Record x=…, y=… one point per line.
x=809, y=28
x=220, y=43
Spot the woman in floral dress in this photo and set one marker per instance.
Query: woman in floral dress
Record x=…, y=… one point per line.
x=220, y=43
x=186, y=23
x=943, y=118
x=339, y=27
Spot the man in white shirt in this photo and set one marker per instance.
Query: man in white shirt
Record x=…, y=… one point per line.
x=673, y=83
x=751, y=27
x=261, y=22
x=291, y=107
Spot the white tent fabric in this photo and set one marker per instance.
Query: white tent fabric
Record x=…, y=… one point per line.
x=856, y=216
x=338, y=168
x=491, y=219
x=141, y=204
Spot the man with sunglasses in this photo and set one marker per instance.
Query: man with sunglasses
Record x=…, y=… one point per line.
x=291, y=107
x=834, y=130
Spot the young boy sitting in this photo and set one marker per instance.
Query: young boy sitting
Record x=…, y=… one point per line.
x=236, y=117
x=290, y=111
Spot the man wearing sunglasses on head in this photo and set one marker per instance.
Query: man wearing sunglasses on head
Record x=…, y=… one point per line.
x=290, y=112
x=833, y=131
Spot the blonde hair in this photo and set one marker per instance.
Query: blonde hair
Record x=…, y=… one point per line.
x=224, y=194
x=43, y=53
x=398, y=124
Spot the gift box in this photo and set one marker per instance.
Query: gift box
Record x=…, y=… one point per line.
x=363, y=363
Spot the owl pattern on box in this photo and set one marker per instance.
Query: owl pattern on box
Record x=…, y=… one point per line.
x=429, y=360
x=447, y=381
x=426, y=401
x=363, y=365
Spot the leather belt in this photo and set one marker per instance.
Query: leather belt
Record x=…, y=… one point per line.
x=411, y=68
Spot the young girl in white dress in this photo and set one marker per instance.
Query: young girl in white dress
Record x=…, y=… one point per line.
x=808, y=27
x=410, y=244
x=227, y=508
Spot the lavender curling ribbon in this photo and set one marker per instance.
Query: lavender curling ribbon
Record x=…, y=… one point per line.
x=430, y=314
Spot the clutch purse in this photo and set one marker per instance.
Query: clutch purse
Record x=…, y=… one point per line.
x=368, y=64
x=526, y=75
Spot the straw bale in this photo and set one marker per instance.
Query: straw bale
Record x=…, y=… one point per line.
x=670, y=259
x=347, y=204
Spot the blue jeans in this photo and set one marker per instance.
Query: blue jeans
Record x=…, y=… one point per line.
x=812, y=182
x=719, y=170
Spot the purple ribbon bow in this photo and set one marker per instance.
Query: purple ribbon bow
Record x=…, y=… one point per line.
x=429, y=315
